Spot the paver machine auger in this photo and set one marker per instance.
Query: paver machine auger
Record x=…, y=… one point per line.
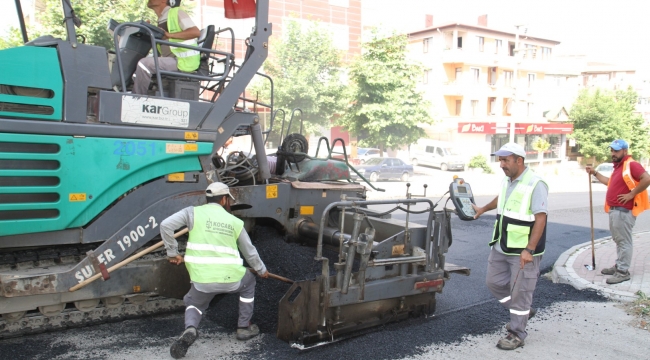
x=88, y=170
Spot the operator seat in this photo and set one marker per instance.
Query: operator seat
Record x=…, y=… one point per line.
x=181, y=87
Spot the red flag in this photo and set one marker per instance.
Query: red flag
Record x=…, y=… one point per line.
x=239, y=9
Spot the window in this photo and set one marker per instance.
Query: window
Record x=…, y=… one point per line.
x=459, y=72
x=481, y=43
x=492, y=102
x=492, y=76
x=507, y=78
x=511, y=48
x=531, y=51
x=458, y=103
x=531, y=80
x=530, y=108
x=439, y=152
x=460, y=42
x=425, y=45
x=497, y=46
x=475, y=75
x=429, y=149
x=474, y=107
x=425, y=77
x=546, y=53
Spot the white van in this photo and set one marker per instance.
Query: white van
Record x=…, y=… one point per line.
x=436, y=153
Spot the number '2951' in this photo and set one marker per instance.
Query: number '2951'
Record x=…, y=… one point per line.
x=140, y=148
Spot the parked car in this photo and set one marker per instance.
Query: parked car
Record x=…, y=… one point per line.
x=605, y=169
x=437, y=154
x=384, y=168
x=364, y=154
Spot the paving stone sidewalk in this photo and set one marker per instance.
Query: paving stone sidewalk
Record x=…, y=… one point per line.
x=570, y=268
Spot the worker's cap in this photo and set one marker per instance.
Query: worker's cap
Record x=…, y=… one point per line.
x=510, y=149
x=218, y=188
x=619, y=144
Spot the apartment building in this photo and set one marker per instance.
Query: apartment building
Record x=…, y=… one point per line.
x=479, y=84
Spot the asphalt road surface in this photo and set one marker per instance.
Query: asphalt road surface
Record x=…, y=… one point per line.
x=465, y=308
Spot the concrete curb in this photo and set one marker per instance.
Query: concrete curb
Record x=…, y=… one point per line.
x=564, y=273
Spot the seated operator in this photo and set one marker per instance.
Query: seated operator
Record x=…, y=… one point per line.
x=179, y=28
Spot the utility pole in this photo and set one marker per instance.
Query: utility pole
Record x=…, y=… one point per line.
x=515, y=103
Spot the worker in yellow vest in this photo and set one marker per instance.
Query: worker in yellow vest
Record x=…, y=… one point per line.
x=518, y=241
x=178, y=28
x=627, y=197
x=213, y=262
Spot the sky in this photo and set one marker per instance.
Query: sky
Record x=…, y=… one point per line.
x=611, y=31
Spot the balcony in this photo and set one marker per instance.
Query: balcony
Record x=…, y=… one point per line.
x=488, y=59
x=472, y=89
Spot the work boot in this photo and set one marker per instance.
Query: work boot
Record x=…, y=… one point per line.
x=510, y=342
x=609, y=271
x=180, y=346
x=531, y=314
x=619, y=277
x=248, y=332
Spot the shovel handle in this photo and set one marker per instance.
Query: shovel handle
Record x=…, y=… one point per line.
x=124, y=262
x=274, y=276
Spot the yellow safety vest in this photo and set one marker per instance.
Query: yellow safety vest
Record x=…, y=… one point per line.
x=515, y=216
x=212, y=255
x=188, y=60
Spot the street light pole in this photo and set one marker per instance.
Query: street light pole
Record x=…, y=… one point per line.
x=515, y=80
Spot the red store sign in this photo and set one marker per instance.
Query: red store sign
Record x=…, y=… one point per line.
x=520, y=128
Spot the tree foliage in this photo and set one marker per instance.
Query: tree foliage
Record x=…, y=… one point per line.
x=541, y=144
x=600, y=116
x=305, y=67
x=386, y=108
x=94, y=15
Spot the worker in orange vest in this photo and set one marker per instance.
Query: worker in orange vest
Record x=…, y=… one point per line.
x=626, y=198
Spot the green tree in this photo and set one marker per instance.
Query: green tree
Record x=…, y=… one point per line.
x=306, y=71
x=385, y=108
x=600, y=116
x=94, y=15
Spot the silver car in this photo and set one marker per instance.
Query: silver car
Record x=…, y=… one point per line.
x=604, y=169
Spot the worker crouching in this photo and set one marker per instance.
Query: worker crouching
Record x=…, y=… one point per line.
x=212, y=258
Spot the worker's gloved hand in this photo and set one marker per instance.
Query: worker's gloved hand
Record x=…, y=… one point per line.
x=176, y=260
x=265, y=275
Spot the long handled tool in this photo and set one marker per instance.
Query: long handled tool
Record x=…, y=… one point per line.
x=591, y=214
x=276, y=277
x=124, y=262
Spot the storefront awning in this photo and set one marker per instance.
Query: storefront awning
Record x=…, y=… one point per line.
x=520, y=128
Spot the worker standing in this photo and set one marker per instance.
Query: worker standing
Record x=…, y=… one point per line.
x=212, y=259
x=626, y=198
x=518, y=241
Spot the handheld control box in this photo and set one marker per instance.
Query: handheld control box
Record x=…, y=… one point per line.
x=461, y=195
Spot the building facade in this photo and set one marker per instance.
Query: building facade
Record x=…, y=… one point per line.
x=479, y=85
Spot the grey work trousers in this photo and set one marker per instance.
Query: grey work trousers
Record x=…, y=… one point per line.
x=147, y=68
x=620, y=225
x=196, y=302
x=512, y=287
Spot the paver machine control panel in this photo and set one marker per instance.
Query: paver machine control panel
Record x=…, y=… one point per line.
x=461, y=195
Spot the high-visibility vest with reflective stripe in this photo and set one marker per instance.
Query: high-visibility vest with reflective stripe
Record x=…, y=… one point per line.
x=515, y=216
x=188, y=60
x=641, y=202
x=212, y=255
